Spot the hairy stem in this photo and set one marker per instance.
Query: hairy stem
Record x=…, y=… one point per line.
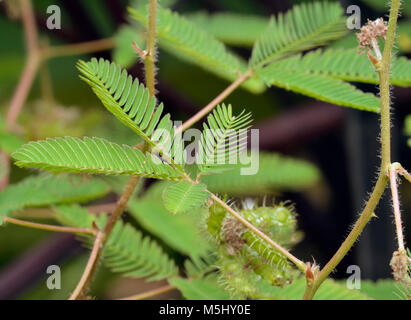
x=48, y=227
x=150, y=293
x=298, y=263
x=396, y=207
x=91, y=267
x=208, y=108
x=382, y=181
x=149, y=61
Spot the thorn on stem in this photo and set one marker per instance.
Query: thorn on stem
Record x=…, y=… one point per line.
x=309, y=275
x=142, y=53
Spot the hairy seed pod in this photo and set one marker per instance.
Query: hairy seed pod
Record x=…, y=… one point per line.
x=264, y=250
x=275, y=276
x=234, y=276
x=277, y=222
x=215, y=221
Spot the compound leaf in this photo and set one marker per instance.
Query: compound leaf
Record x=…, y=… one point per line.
x=93, y=156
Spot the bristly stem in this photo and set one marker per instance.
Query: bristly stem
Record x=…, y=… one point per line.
x=298, y=263
x=48, y=227
x=149, y=61
x=91, y=267
x=384, y=75
x=393, y=171
x=208, y=108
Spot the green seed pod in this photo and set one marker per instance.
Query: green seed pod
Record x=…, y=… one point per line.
x=215, y=221
x=234, y=275
x=274, y=276
x=264, y=250
x=278, y=222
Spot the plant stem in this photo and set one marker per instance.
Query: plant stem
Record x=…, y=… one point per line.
x=91, y=267
x=365, y=216
x=405, y=174
x=150, y=293
x=100, y=241
x=207, y=109
x=149, y=61
x=298, y=263
x=396, y=207
x=77, y=48
x=48, y=227
x=31, y=66
x=382, y=181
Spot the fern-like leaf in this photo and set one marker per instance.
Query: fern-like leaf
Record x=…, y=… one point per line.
x=187, y=41
x=127, y=251
x=45, y=190
x=223, y=138
x=183, y=196
x=304, y=27
x=318, y=86
x=93, y=156
x=275, y=172
x=347, y=65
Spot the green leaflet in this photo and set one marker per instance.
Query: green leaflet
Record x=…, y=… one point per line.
x=178, y=231
x=304, y=27
x=183, y=196
x=200, y=289
x=93, y=156
x=187, y=41
x=127, y=251
x=275, y=172
x=348, y=65
x=319, y=86
x=223, y=138
x=45, y=190
x=232, y=28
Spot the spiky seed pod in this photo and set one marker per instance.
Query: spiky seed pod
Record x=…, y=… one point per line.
x=274, y=276
x=278, y=222
x=215, y=221
x=264, y=250
x=234, y=276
